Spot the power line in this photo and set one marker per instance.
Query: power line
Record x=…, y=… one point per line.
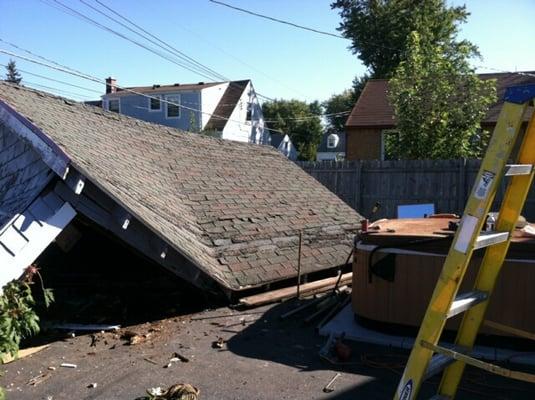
x=173, y=50
x=311, y=117
x=56, y=80
x=91, y=21
x=192, y=68
x=65, y=69
x=277, y=20
x=67, y=92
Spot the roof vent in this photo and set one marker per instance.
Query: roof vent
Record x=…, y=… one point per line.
x=200, y=83
x=155, y=86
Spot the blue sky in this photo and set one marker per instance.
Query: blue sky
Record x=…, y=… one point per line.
x=282, y=61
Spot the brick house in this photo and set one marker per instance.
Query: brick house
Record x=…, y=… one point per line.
x=373, y=117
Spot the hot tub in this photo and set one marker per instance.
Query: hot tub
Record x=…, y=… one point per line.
x=407, y=258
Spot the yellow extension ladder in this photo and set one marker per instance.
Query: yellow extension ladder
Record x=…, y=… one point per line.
x=427, y=357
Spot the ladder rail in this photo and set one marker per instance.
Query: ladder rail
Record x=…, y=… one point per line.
x=458, y=258
x=515, y=196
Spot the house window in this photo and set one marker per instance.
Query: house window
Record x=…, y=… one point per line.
x=332, y=141
x=155, y=104
x=114, y=106
x=173, y=108
x=249, y=112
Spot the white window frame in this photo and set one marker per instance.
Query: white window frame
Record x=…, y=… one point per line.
x=169, y=98
x=118, y=100
x=329, y=144
x=150, y=103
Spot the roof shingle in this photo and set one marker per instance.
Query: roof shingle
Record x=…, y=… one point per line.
x=234, y=209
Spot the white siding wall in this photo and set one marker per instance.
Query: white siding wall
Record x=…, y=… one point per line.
x=238, y=128
x=210, y=98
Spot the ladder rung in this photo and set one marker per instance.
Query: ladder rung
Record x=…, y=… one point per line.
x=518, y=169
x=466, y=301
x=474, y=362
x=489, y=238
x=437, y=365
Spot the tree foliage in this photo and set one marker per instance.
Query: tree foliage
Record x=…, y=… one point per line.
x=337, y=104
x=439, y=102
x=18, y=318
x=378, y=29
x=301, y=121
x=343, y=103
x=12, y=74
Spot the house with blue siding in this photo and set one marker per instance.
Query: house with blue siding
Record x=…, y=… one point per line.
x=229, y=110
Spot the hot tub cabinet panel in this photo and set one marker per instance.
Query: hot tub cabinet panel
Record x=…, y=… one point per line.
x=404, y=300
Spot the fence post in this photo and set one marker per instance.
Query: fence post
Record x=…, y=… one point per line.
x=461, y=198
x=358, y=183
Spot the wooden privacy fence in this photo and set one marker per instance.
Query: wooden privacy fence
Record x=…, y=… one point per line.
x=445, y=183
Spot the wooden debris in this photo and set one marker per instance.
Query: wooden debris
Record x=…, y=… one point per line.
x=134, y=337
x=7, y=358
x=319, y=286
x=36, y=380
x=301, y=307
x=181, y=357
x=218, y=344
x=330, y=386
x=330, y=301
x=181, y=391
x=86, y=327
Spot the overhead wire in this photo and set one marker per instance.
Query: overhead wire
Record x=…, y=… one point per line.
x=68, y=70
x=342, y=37
x=67, y=92
x=213, y=76
x=170, y=49
x=69, y=10
x=55, y=80
x=277, y=20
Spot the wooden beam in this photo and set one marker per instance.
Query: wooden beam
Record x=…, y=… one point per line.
x=137, y=236
x=510, y=330
x=290, y=292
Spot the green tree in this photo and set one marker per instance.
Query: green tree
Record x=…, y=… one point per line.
x=338, y=104
x=379, y=29
x=12, y=74
x=301, y=121
x=439, y=102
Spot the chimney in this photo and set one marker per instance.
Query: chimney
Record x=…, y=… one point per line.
x=110, y=85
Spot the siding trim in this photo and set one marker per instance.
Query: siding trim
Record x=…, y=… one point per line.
x=52, y=155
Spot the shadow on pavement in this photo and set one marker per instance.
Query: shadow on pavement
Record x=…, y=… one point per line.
x=372, y=372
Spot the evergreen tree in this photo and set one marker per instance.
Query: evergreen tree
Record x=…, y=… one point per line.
x=13, y=74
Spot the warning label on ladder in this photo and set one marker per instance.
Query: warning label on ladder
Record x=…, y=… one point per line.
x=482, y=188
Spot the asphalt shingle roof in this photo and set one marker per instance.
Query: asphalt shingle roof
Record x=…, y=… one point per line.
x=234, y=209
x=373, y=108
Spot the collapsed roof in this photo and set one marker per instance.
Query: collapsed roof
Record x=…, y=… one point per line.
x=232, y=210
